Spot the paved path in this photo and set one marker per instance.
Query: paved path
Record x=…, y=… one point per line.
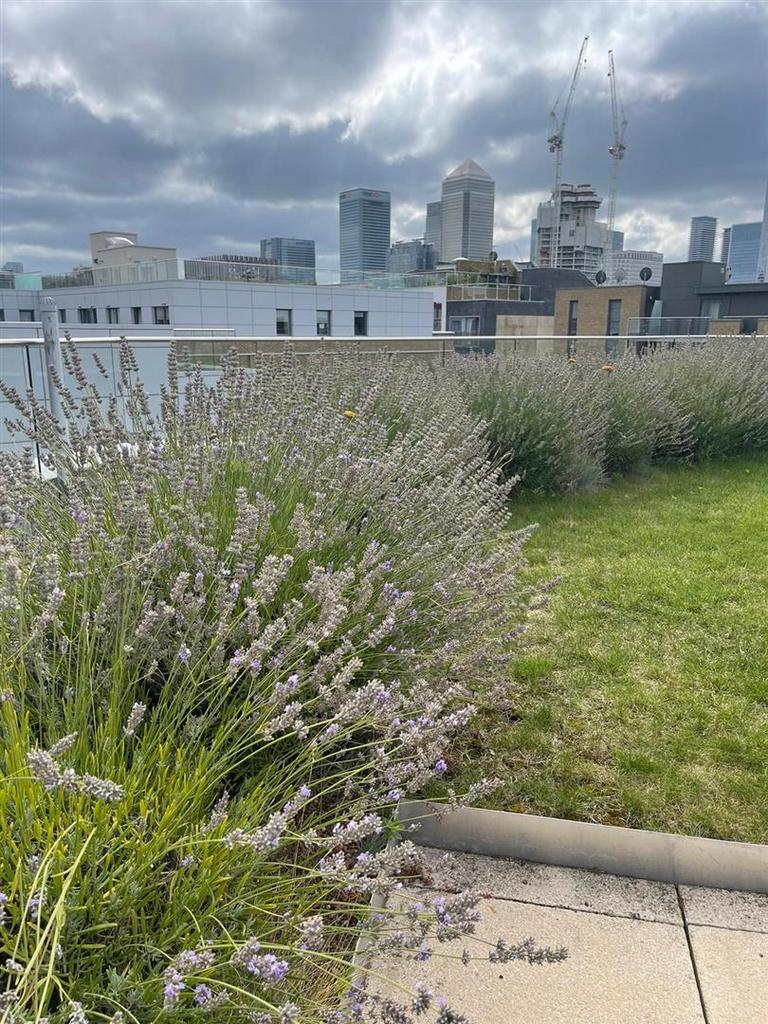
x=639, y=952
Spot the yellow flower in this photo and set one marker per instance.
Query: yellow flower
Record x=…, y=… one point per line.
x=350, y=414
x=608, y=368
x=571, y=359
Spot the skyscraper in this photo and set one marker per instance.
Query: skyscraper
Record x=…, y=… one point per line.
x=466, y=209
x=743, y=252
x=364, y=227
x=290, y=253
x=701, y=242
x=584, y=242
x=434, y=230
x=408, y=257
x=725, y=246
x=762, y=258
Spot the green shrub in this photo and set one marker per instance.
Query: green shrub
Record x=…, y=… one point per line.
x=560, y=425
x=722, y=389
x=644, y=422
x=546, y=419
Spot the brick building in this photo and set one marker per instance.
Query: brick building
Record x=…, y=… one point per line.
x=601, y=312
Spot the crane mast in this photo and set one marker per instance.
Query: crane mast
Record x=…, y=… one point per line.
x=617, y=147
x=555, y=142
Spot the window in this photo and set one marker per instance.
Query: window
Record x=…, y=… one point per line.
x=573, y=317
x=614, y=318
x=136, y=314
x=62, y=316
x=87, y=315
x=2, y=315
x=160, y=315
x=711, y=308
x=27, y=315
x=437, y=316
x=113, y=315
x=361, y=323
x=282, y=321
x=464, y=325
x=323, y=321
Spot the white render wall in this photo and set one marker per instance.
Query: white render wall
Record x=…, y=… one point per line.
x=249, y=309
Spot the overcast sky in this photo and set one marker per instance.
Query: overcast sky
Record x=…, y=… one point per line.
x=207, y=126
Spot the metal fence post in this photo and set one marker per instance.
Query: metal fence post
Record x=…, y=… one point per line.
x=54, y=366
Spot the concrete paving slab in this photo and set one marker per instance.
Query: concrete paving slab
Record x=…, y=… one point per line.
x=722, y=908
x=553, y=886
x=733, y=974
x=619, y=971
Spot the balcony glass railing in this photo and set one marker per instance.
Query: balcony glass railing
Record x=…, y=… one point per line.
x=667, y=326
x=246, y=272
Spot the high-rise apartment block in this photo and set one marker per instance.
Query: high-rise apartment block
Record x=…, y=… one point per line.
x=701, y=241
x=433, y=234
x=762, y=257
x=410, y=257
x=290, y=253
x=364, y=232
x=466, y=213
x=743, y=252
x=725, y=246
x=584, y=242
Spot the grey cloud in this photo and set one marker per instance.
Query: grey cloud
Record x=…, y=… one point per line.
x=200, y=124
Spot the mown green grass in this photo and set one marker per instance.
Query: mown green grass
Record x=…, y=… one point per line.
x=640, y=696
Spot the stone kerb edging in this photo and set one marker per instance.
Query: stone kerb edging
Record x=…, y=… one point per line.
x=659, y=856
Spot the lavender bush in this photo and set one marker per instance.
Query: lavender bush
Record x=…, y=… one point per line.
x=234, y=632
x=561, y=425
x=546, y=418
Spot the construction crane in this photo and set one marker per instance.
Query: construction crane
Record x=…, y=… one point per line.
x=555, y=143
x=617, y=147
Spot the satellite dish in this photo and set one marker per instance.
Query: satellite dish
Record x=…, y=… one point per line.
x=646, y=274
x=601, y=277
x=493, y=255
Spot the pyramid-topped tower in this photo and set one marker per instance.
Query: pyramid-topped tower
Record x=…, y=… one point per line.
x=466, y=210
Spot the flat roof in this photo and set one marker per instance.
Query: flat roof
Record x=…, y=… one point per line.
x=727, y=289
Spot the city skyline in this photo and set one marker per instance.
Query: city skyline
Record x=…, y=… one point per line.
x=143, y=139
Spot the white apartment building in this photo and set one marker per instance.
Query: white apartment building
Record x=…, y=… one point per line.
x=241, y=308
x=138, y=289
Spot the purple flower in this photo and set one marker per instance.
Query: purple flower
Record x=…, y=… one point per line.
x=184, y=653
x=203, y=995
x=440, y=767
x=172, y=988
x=305, y=792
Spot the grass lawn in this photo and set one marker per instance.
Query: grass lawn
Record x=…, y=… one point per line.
x=640, y=696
